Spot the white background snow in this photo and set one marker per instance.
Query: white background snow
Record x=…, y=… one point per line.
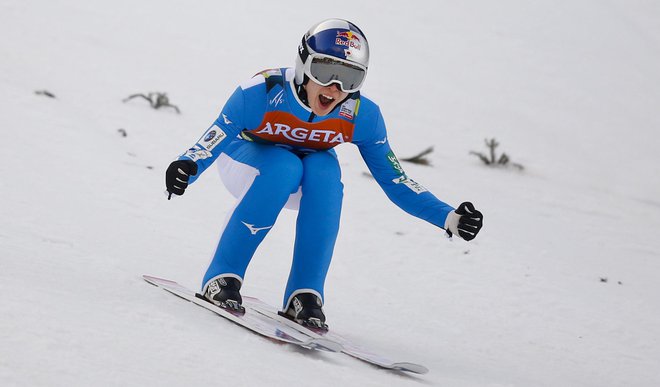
x=571, y=90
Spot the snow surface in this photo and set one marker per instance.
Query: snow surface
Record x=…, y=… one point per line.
x=560, y=289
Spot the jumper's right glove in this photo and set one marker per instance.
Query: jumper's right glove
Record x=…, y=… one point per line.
x=465, y=221
x=177, y=176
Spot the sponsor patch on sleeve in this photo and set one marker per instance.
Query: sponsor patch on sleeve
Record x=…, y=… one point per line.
x=213, y=136
x=394, y=162
x=195, y=154
x=403, y=179
x=410, y=183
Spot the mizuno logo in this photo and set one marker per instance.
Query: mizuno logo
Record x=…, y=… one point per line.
x=383, y=141
x=226, y=119
x=255, y=230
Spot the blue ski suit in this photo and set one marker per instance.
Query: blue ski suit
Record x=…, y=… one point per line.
x=273, y=152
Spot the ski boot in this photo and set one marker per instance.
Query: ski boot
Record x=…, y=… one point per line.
x=306, y=309
x=224, y=292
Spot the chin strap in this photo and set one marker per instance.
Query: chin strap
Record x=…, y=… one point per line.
x=302, y=93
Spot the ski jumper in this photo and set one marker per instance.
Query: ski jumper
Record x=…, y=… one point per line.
x=273, y=151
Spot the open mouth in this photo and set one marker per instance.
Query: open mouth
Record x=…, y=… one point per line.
x=325, y=100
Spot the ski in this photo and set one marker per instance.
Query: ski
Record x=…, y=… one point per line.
x=263, y=319
x=251, y=319
x=348, y=347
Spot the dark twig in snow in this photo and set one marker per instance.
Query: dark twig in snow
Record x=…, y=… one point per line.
x=156, y=100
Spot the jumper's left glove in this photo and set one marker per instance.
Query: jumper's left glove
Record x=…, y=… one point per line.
x=465, y=221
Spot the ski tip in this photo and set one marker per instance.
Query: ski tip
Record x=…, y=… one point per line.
x=410, y=367
x=156, y=280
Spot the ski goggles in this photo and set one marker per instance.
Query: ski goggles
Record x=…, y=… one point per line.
x=326, y=70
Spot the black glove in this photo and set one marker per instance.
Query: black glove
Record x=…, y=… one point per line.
x=465, y=221
x=177, y=176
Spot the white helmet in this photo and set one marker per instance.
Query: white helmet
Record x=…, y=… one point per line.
x=333, y=51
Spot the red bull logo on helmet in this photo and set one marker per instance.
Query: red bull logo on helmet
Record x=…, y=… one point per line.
x=348, y=39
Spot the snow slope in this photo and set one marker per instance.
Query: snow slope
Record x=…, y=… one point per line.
x=560, y=289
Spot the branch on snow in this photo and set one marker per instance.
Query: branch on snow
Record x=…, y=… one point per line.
x=156, y=100
x=420, y=158
x=491, y=158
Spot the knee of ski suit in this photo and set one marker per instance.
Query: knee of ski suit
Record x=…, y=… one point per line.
x=322, y=175
x=280, y=169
